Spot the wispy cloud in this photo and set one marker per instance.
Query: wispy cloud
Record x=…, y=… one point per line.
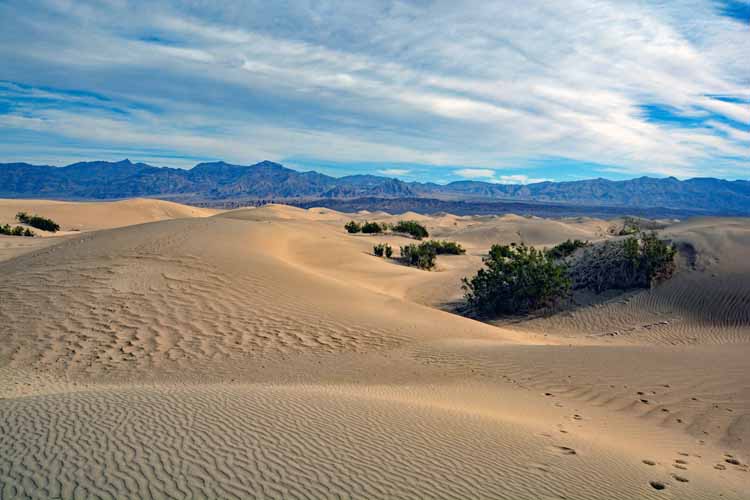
x=648, y=87
x=519, y=179
x=395, y=172
x=489, y=175
x=475, y=173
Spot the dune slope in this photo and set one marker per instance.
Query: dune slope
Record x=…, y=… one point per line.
x=266, y=352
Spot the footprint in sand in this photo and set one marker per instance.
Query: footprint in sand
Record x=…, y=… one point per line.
x=657, y=485
x=680, y=478
x=649, y=462
x=565, y=450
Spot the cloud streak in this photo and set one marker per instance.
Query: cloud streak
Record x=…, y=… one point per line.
x=436, y=84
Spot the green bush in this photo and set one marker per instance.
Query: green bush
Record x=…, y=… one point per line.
x=446, y=247
x=421, y=256
x=516, y=279
x=566, y=248
x=630, y=226
x=656, y=258
x=372, y=228
x=15, y=231
x=38, y=222
x=635, y=262
x=411, y=227
x=352, y=227
x=383, y=250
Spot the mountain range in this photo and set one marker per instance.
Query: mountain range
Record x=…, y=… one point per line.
x=221, y=181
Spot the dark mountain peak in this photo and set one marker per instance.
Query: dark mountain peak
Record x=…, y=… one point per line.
x=222, y=165
x=219, y=180
x=22, y=165
x=270, y=164
x=209, y=164
x=214, y=165
x=92, y=169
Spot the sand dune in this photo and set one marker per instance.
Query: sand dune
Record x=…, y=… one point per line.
x=708, y=301
x=87, y=216
x=265, y=352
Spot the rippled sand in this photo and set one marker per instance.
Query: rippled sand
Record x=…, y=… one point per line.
x=267, y=353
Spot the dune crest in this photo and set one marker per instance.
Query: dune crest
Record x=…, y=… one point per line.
x=266, y=352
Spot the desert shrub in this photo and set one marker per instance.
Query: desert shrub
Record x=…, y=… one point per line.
x=38, y=222
x=630, y=226
x=372, y=228
x=421, y=256
x=379, y=250
x=635, y=262
x=566, y=248
x=656, y=258
x=411, y=227
x=446, y=247
x=383, y=250
x=516, y=279
x=352, y=227
x=15, y=231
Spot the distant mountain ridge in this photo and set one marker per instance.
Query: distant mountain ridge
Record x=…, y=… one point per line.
x=271, y=181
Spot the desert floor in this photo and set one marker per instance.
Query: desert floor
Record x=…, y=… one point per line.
x=152, y=350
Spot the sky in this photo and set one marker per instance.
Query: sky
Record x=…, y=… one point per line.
x=499, y=91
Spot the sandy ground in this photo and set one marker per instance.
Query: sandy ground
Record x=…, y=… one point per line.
x=267, y=353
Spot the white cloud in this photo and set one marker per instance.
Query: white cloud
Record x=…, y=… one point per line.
x=475, y=173
x=361, y=82
x=518, y=179
x=489, y=175
x=395, y=172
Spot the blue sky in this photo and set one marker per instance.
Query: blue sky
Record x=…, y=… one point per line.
x=502, y=91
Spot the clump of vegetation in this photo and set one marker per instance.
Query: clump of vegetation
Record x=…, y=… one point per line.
x=516, y=279
x=353, y=227
x=422, y=256
x=630, y=226
x=446, y=247
x=16, y=231
x=383, y=250
x=653, y=257
x=366, y=227
x=372, y=228
x=38, y=222
x=412, y=227
x=566, y=248
x=636, y=262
